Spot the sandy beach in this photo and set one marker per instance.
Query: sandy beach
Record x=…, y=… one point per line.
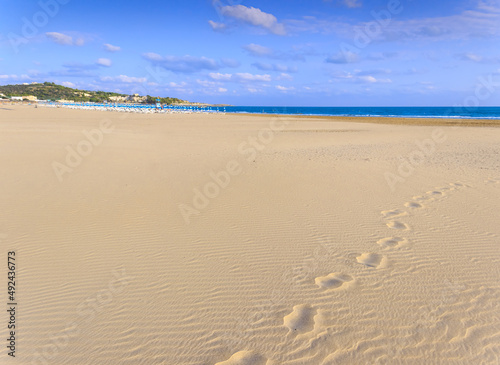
x=236, y=239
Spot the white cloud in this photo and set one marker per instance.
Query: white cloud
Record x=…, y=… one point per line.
x=15, y=77
x=477, y=58
x=176, y=85
x=221, y=90
x=60, y=38
x=218, y=27
x=206, y=83
x=369, y=79
x=284, y=76
x=64, y=39
x=68, y=84
x=106, y=62
x=184, y=64
x=481, y=22
x=110, y=48
x=240, y=77
x=251, y=77
x=470, y=57
x=124, y=78
x=153, y=56
x=284, y=88
x=258, y=50
x=274, y=67
x=373, y=80
x=371, y=72
x=254, y=16
x=220, y=77
x=359, y=76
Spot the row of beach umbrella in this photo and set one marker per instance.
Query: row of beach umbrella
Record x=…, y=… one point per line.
x=135, y=108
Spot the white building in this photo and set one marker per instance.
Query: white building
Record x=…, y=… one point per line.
x=118, y=98
x=16, y=98
x=136, y=98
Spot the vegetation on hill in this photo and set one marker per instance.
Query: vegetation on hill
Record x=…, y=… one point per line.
x=168, y=100
x=51, y=91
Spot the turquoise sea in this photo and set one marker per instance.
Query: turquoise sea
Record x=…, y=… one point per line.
x=413, y=112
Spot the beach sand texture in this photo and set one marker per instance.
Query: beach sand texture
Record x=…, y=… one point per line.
x=226, y=239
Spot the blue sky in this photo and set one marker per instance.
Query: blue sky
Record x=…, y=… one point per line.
x=253, y=52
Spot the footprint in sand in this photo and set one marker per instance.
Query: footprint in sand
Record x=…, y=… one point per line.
x=393, y=213
x=333, y=281
x=245, y=358
x=392, y=242
x=397, y=225
x=434, y=193
x=492, y=181
x=443, y=188
x=372, y=260
x=413, y=205
x=301, y=319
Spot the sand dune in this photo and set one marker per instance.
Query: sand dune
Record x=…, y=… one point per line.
x=223, y=239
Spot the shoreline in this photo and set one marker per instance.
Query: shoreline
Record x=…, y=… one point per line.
x=410, y=121
x=415, y=121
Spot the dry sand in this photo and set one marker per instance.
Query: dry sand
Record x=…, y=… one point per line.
x=330, y=242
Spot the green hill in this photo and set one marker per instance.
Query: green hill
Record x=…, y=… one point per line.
x=51, y=91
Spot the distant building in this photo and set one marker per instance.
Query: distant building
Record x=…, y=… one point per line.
x=118, y=98
x=30, y=98
x=16, y=98
x=135, y=98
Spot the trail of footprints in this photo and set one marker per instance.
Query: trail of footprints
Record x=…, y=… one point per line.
x=393, y=221
x=302, y=318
